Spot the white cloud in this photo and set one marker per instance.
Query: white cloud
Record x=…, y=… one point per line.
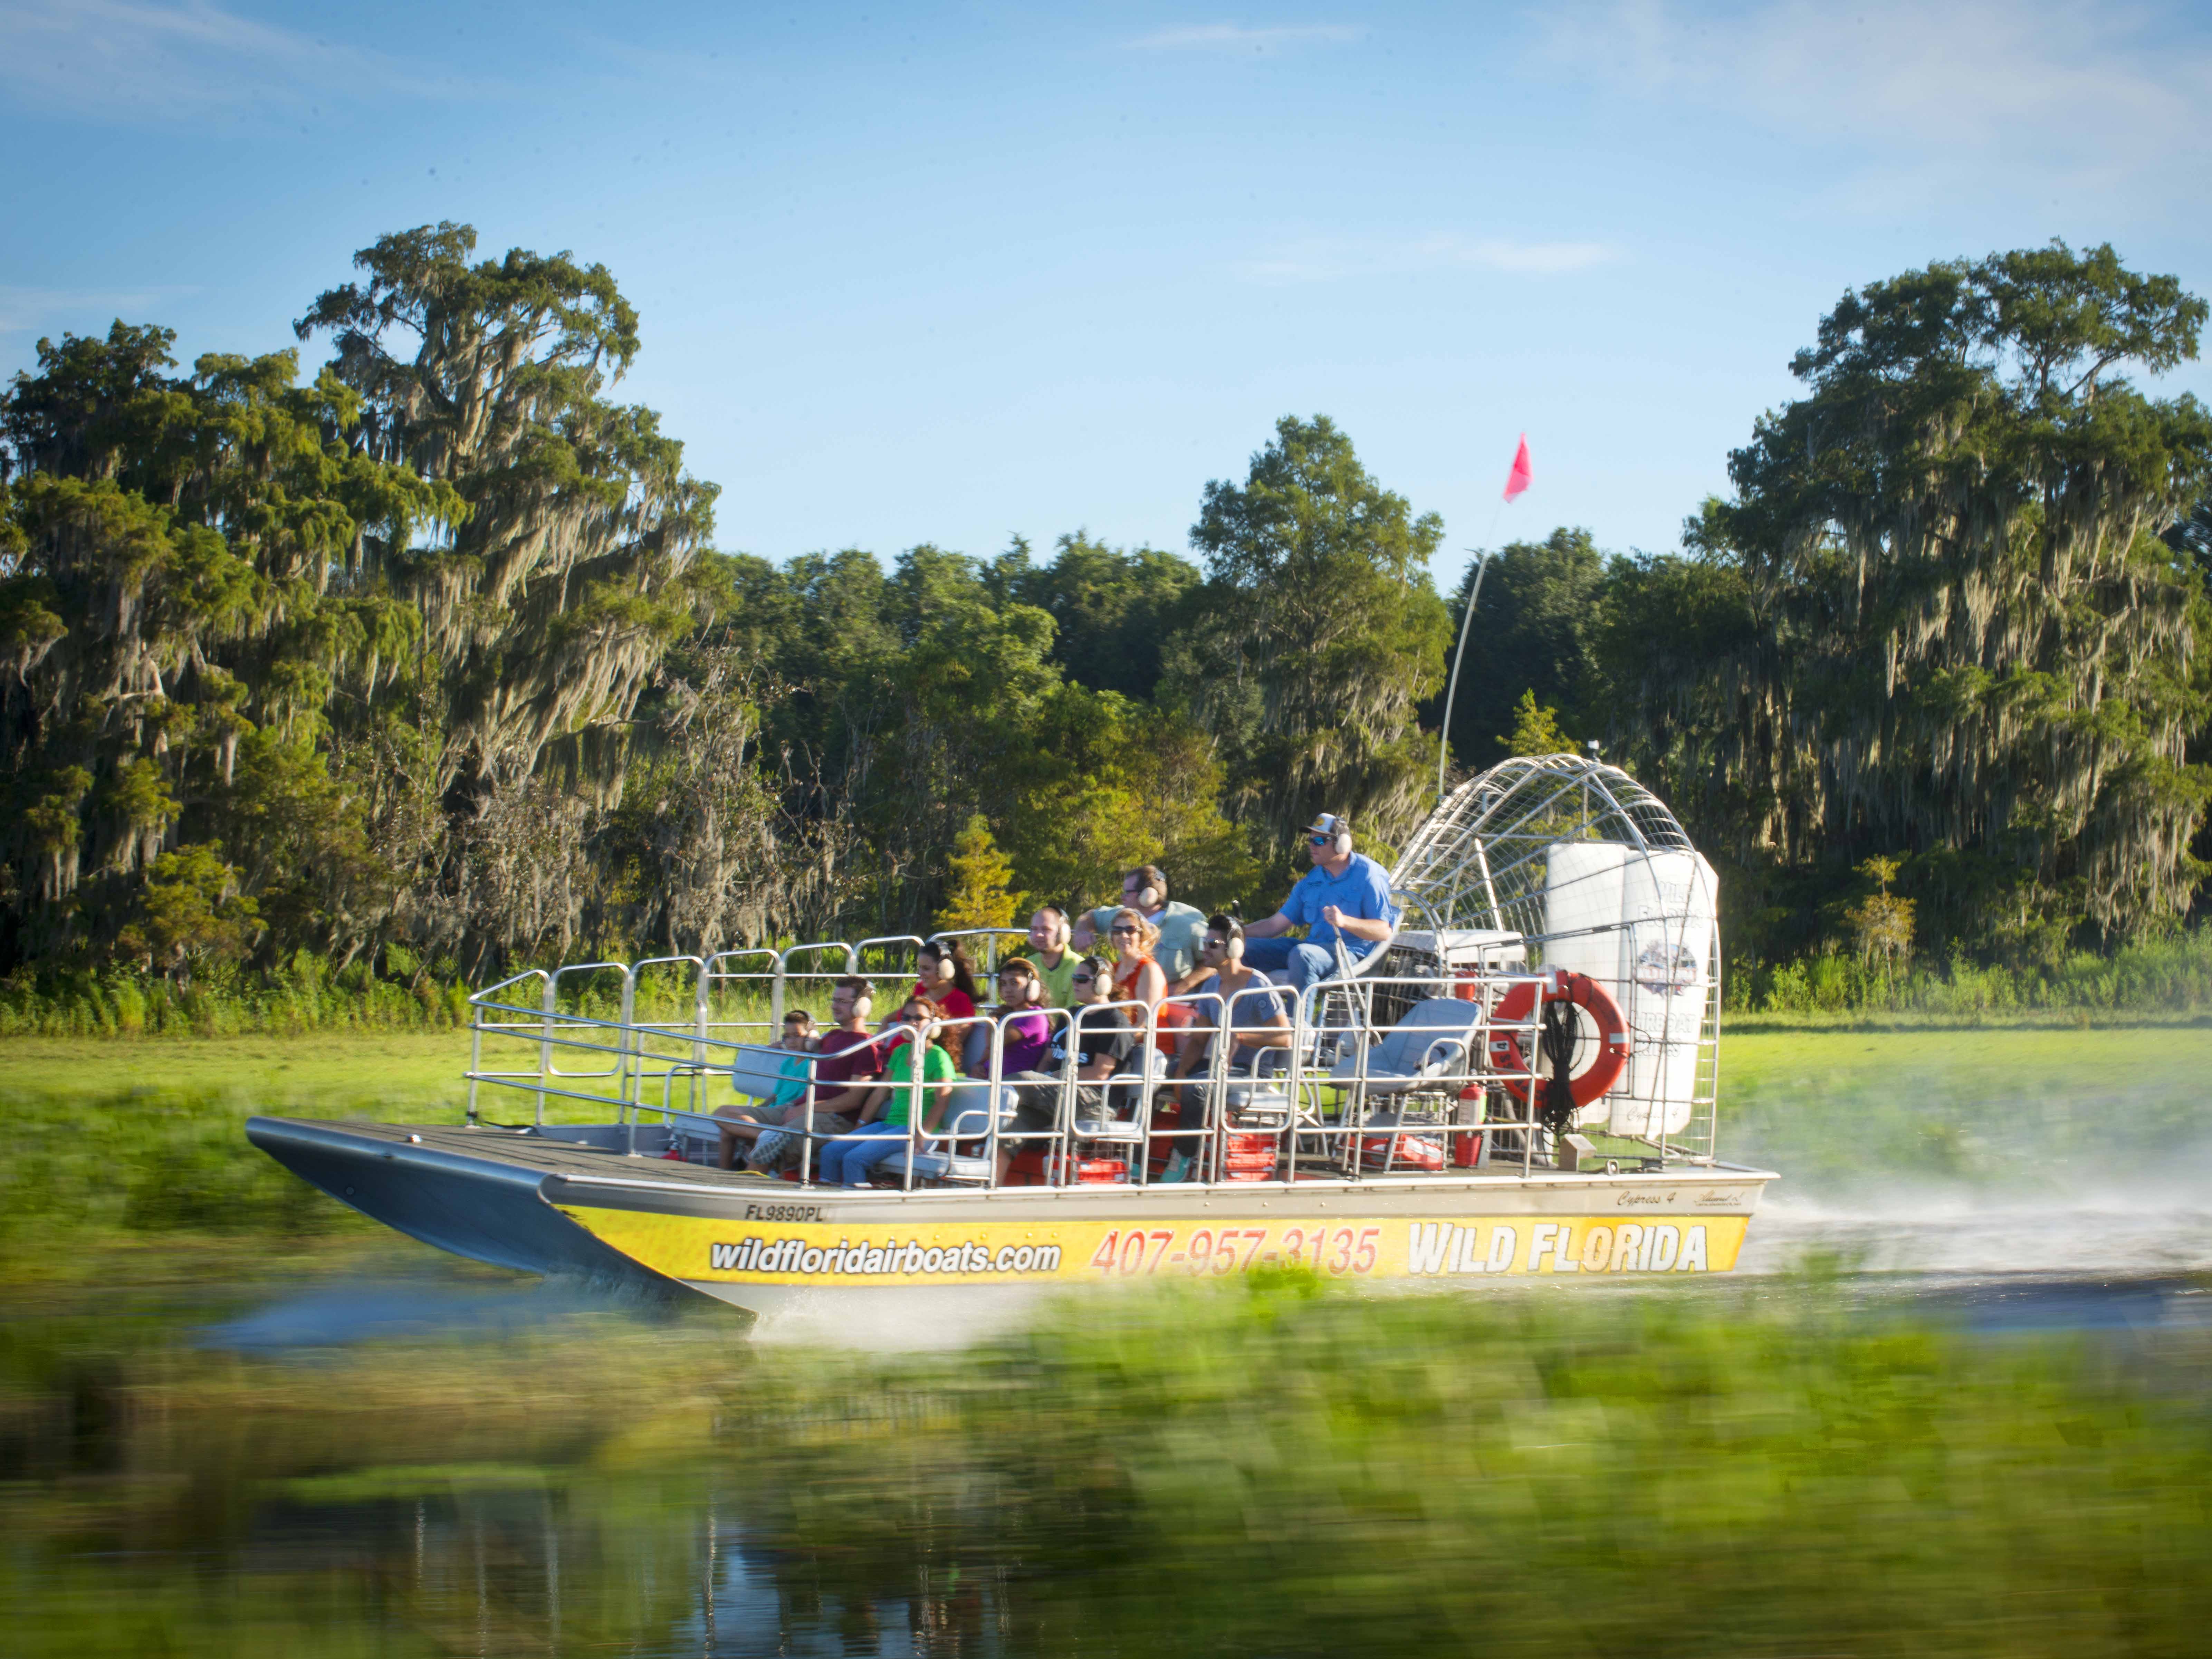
x=1332, y=258
x=1234, y=37
x=162, y=62
x=2053, y=92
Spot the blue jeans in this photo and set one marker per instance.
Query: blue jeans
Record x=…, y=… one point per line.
x=845, y=1161
x=1307, y=962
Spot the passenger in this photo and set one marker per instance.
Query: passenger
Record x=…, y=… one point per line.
x=1055, y=962
x=848, y=1060
x=746, y=1122
x=1024, y=1038
x=947, y=978
x=1138, y=977
x=1345, y=896
x=1242, y=999
x=1101, y=1036
x=1098, y=1038
x=1024, y=1032
x=1145, y=890
x=882, y=1128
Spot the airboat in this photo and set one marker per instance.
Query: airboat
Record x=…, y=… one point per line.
x=1523, y=1081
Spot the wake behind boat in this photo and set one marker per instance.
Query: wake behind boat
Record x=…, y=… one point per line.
x=1522, y=1081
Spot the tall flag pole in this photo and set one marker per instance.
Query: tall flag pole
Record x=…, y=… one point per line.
x=1518, y=479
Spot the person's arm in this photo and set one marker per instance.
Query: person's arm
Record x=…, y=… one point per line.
x=1272, y=926
x=1151, y=985
x=1373, y=918
x=874, y=1108
x=1273, y=1029
x=850, y=1099
x=1190, y=981
x=1374, y=930
x=1195, y=1038
x=937, y=1091
x=1111, y=1057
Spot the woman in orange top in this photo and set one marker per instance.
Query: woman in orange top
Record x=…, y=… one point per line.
x=1138, y=978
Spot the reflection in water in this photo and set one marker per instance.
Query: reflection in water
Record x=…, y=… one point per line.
x=426, y=1465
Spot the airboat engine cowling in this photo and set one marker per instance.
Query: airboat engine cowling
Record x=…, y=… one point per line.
x=1597, y=876
x=1638, y=923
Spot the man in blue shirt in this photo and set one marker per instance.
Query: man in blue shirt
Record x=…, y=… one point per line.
x=1346, y=895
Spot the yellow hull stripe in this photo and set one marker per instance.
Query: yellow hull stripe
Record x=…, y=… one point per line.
x=698, y=1248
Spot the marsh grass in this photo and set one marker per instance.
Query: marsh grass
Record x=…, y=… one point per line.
x=2158, y=978
x=1275, y=1468
x=128, y=1160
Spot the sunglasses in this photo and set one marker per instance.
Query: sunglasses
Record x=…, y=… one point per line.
x=1214, y=945
x=1083, y=979
x=1318, y=841
x=1124, y=928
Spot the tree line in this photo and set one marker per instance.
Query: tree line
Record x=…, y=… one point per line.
x=432, y=658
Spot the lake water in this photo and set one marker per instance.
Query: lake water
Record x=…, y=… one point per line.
x=445, y=1461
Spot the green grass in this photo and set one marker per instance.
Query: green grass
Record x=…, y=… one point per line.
x=1272, y=1468
x=128, y=1156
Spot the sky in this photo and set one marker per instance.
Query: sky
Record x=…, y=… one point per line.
x=957, y=273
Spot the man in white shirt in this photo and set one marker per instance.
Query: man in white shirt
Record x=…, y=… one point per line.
x=1181, y=927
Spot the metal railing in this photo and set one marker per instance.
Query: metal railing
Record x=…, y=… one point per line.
x=1375, y=1078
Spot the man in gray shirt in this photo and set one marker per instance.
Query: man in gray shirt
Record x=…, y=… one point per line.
x=1145, y=890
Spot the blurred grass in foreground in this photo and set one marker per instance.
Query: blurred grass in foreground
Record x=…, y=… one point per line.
x=1271, y=1469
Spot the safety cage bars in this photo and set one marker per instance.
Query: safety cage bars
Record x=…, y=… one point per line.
x=1411, y=1071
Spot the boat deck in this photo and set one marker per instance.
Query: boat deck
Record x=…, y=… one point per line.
x=555, y=1151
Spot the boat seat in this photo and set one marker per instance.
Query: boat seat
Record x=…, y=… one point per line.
x=1434, y=1040
x=757, y=1070
x=936, y=1166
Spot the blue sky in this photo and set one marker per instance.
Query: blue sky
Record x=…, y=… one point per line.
x=952, y=273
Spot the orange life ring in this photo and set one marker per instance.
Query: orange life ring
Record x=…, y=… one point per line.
x=1512, y=1067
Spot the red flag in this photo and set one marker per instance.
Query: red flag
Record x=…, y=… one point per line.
x=1517, y=480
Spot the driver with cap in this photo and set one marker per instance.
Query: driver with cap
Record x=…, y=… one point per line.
x=1345, y=896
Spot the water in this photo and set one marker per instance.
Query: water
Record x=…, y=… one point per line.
x=444, y=1462
x=437, y=1459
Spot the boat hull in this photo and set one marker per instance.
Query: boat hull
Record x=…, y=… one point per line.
x=764, y=1254
x=460, y=1191
x=571, y=1202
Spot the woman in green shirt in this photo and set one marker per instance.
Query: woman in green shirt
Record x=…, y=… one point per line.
x=883, y=1128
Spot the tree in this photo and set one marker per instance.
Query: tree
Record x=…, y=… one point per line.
x=1113, y=610
x=1322, y=635
x=1123, y=784
x=173, y=586
x=553, y=584
x=1970, y=646
x=1881, y=923
x=190, y=910
x=1535, y=730
x=978, y=894
x=323, y=628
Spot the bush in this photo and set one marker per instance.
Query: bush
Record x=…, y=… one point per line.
x=2172, y=976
